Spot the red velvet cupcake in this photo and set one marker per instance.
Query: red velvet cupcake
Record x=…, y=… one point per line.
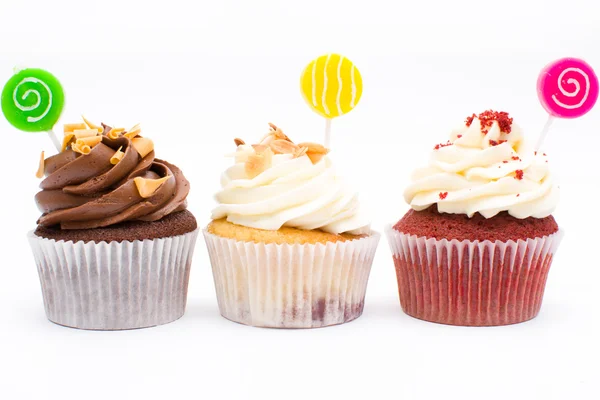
x=477, y=245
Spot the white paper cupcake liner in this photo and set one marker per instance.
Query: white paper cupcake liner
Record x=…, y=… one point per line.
x=291, y=286
x=472, y=283
x=113, y=286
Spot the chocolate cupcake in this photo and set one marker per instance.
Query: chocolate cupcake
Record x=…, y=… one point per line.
x=477, y=245
x=114, y=243
x=289, y=245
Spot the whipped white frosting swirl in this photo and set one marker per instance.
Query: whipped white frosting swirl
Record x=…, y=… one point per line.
x=292, y=192
x=486, y=173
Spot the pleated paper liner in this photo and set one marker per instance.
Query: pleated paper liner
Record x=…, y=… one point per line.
x=291, y=286
x=472, y=283
x=113, y=286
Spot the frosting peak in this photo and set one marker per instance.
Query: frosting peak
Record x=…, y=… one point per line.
x=484, y=169
x=105, y=176
x=279, y=183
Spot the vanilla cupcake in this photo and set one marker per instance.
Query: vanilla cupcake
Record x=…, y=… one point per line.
x=288, y=243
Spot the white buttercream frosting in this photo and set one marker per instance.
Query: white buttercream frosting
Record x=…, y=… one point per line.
x=293, y=192
x=485, y=170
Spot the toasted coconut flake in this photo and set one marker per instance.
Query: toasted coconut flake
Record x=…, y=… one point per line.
x=113, y=134
x=67, y=128
x=258, y=163
x=238, y=142
x=147, y=187
x=40, y=172
x=315, y=157
x=278, y=133
x=267, y=140
x=67, y=140
x=81, y=148
x=314, y=147
x=89, y=141
x=315, y=151
x=259, y=148
x=133, y=132
x=300, y=152
x=117, y=130
x=142, y=145
x=118, y=156
x=91, y=125
x=281, y=146
x=84, y=133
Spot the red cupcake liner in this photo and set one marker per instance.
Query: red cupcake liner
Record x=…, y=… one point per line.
x=472, y=283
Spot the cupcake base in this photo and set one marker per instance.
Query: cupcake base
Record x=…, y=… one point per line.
x=174, y=224
x=472, y=283
x=114, y=286
x=291, y=285
x=321, y=315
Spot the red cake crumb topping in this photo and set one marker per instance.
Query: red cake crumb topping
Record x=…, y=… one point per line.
x=505, y=162
x=439, y=146
x=519, y=174
x=458, y=136
x=470, y=119
x=488, y=117
x=443, y=195
x=518, y=194
x=497, y=142
x=516, y=158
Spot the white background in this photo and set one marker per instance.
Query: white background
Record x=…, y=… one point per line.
x=196, y=74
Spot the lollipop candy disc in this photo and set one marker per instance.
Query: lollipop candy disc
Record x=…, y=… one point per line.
x=331, y=85
x=567, y=88
x=32, y=100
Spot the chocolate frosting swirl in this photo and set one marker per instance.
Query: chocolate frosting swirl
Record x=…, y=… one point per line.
x=87, y=191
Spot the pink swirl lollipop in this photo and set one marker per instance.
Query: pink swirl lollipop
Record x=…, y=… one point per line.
x=567, y=88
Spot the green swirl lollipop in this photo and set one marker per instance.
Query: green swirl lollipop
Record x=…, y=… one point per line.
x=32, y=101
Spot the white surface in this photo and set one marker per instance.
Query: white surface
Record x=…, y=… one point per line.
x=197, y=74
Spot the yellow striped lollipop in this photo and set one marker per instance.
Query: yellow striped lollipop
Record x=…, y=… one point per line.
x=331, y=85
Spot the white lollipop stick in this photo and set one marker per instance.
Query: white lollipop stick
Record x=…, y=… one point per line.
x=544, y=133
x=54, y=139
x=327, y=133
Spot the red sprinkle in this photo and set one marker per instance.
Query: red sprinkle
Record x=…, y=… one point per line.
x=458, y=136
x=488, y=117
x=518, y=194
x=470, y=119
x=443, y=195
x=496, y=142
x=516, y=158
x=439, y=146
x=505, y=162
x=519, y=174
x=535, y=153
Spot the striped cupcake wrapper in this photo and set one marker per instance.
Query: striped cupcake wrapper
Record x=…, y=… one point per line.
x=472, y=283
x=114, y=286
x=291, y=286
